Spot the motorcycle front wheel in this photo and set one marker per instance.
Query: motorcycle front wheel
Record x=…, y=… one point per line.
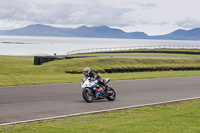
x=88, y=96
x=111, y=94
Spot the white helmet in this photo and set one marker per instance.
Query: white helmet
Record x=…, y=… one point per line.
x=86, y=71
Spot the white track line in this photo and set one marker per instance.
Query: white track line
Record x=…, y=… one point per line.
x=100, y=111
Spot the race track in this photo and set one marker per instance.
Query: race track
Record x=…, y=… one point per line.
x=20, y=103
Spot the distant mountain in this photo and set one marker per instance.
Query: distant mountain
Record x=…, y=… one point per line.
x=83, y=31
x=98, y=32
x=36, y=30
x=180, y=34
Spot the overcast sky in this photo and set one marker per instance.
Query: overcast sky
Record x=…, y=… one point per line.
x=154, y=17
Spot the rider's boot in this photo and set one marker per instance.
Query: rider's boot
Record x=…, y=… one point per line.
x=105, y=87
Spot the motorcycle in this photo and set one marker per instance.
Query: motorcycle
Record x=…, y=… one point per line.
x=92, y=90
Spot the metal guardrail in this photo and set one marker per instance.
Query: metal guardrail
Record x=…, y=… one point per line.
x=133, y=48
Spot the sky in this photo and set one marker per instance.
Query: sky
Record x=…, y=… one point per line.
x=154, y=17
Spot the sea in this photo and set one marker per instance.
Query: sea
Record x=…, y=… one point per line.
x=45, y=46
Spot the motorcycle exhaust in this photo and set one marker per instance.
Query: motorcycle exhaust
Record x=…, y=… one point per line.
x=110, y=92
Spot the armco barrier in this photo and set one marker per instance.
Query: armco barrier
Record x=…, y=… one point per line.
x=151, y=47
x=152, y=51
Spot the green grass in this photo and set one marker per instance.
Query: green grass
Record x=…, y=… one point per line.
x=21, y=71
x=99, y=64
x=56, y=78
x=183, y=117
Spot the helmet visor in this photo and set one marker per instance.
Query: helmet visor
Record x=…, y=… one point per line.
x=85, y=73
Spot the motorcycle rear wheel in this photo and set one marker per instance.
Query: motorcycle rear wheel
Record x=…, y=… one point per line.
x=88, y=97
x=112, y=96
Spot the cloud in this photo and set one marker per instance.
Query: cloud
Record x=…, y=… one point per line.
x=114, y=13
x=142, y=5
x=90, y=12
x=63, y=12
x=188, y=23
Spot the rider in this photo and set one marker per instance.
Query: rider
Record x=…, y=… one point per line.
x=88, y=73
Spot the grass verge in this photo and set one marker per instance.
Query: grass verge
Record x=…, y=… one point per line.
x=18, y=80
x=180, y=117
x=21, y=71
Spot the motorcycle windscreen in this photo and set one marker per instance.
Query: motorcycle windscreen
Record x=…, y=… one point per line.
x=106, y=80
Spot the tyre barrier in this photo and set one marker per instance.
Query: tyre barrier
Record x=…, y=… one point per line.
x=151, y=69
x=142, y=69
x=39, y=60
x=73, y=72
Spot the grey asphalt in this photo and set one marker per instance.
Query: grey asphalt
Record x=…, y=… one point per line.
x=21, y=103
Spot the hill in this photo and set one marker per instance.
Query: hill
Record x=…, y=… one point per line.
x=180, y=34
x=98, y=32
x=83, y=31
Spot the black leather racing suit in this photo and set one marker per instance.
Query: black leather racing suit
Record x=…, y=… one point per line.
x=95, y=76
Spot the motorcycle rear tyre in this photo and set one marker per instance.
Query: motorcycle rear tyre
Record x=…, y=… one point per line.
x=113, y=97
